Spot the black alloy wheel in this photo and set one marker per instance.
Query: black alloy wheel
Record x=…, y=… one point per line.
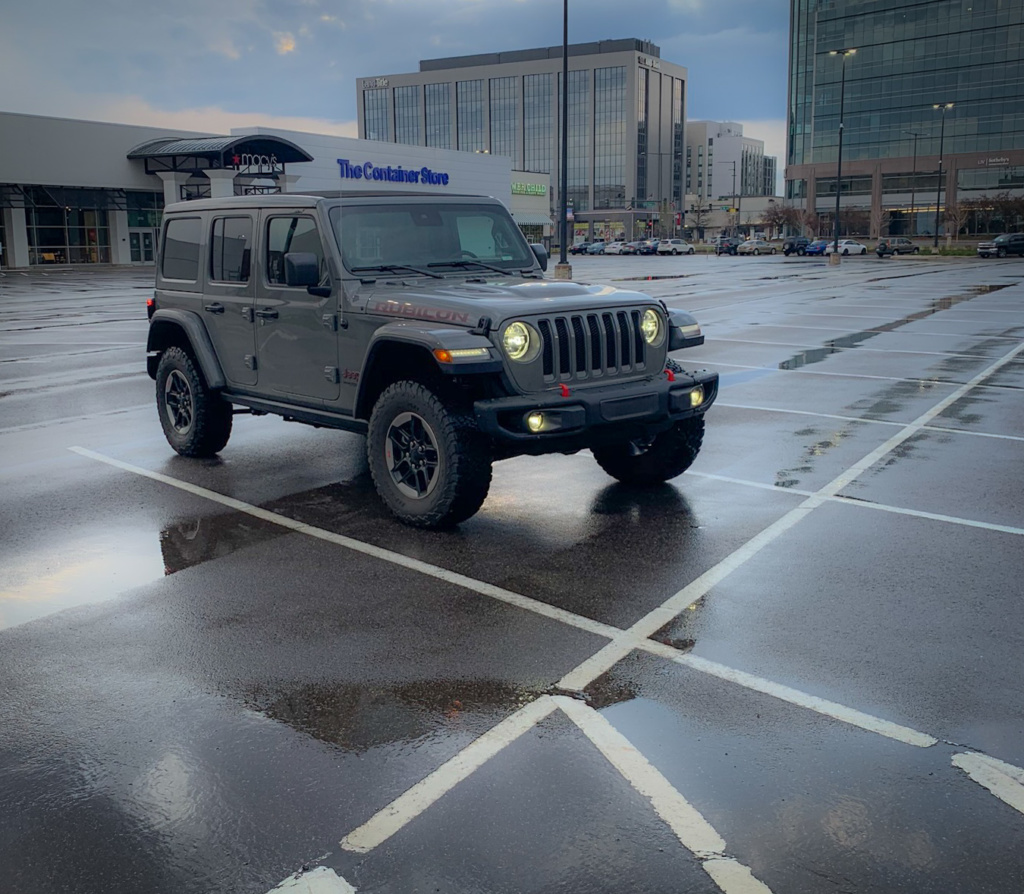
x=196, y=420
x=430, y=463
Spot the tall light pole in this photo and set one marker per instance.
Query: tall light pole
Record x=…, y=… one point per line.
x=938, y=189
x=913, y=180
x=562, y=269
x=839, y=160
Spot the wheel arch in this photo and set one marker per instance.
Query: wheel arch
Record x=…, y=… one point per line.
x=182, y=329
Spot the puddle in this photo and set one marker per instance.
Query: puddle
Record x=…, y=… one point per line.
x=191, y=542
x=790, y=477
x=740, y=378
x=836, y=345
x=358, y=717
x=94, y=568
x=653, y=276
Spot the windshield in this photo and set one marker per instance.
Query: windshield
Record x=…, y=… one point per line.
x=429, y=236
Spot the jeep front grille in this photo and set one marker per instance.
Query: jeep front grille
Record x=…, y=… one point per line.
x=592, y=345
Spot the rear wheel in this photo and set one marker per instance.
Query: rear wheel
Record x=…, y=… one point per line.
x=757, y=251
x=895, y=252
x=196, y=421
x=772, y=252
x=650, y=462
x=429, y=460
x=801, y=252
x=690, y=252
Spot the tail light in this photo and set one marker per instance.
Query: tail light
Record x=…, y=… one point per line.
x=150, y=306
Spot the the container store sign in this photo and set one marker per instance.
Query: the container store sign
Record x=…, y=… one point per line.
x=529, y=189
x=387, y=174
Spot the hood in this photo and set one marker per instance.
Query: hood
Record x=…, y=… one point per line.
x=465, y=302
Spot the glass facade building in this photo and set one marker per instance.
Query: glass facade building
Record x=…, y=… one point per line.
x=910, y=57
x=626, y=122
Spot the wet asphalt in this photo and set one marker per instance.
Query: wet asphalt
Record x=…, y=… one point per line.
x=197, y=698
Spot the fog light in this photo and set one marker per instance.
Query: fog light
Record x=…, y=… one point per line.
x=535, y=421
x=697, y=396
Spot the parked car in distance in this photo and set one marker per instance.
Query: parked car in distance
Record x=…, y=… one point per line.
x=630, y=248
x=596, y=248
x=579, y=248
x=727, y=245
x=795, y=244
x=1001, y=246
x=613, y=248
x=674, y=247
x=649, y=246
x=847, y=247
x=896, y=245
x=755, y=247
x=817, y=247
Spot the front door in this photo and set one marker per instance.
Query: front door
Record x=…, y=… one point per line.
x=296, y=333
x=141, y=243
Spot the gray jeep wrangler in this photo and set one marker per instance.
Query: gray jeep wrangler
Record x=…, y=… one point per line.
x=423, y=322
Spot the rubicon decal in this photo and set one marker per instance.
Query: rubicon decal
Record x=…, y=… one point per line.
x=395, y=309
x=368, y=171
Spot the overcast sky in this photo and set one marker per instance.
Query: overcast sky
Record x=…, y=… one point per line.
x=210, y=66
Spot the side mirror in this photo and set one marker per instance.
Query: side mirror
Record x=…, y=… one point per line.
x=301, y=268
x=542, y=255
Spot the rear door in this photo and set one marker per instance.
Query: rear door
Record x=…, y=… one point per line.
x=296, y=333
x=228, y=296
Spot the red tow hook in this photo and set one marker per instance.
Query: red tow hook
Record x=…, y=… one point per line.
x=671, y=375
x=564, y=390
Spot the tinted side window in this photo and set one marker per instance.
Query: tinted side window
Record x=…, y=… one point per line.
x=181, y=249
x=230, y=247
x=285, y=234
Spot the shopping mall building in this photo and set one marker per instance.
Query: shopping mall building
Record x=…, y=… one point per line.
x=85, y=192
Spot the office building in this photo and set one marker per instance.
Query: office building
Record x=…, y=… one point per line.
x=943, y=76
x=626, y=113
x=722, y=163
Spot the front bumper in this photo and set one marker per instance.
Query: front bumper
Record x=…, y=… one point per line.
x=595, y=414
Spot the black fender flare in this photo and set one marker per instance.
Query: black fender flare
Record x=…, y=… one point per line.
x=684, y=330
x=427, y=339
x=162, y=327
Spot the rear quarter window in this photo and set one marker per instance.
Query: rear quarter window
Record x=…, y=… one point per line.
x=180, y=257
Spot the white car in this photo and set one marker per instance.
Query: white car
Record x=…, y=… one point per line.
x=674, y=247
x=846, y=247
x=613, y=248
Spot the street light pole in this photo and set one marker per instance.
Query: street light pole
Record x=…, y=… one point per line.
x=938, y=189
x=839, y=159
x=562, y=269
x=913, y=180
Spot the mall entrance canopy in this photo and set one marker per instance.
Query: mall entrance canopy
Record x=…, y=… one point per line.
x=215, y=164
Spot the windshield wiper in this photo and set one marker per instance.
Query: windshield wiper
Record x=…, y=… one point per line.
x=393, y=268
x=467, y=263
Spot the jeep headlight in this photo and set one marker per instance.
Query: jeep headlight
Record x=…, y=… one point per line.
x=651, y=327
x=520, y=341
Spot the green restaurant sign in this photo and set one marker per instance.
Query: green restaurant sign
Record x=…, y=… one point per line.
x=529, y=189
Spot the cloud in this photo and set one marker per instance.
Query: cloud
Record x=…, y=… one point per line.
x=284, y=42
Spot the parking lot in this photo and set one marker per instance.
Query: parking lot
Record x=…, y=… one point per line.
x=795, y=668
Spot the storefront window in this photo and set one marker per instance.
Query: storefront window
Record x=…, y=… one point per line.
x=144, y=208
x=68, y=233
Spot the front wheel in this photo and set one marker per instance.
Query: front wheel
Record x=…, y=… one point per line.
x=196, y=421
x=801, y=252
x=757, y=251
x=664, y=457
x=429, y=461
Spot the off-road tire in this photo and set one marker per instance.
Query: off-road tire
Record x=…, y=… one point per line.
x=670, y=454
x=463, y=456
x=801, y=252
x=196, y=421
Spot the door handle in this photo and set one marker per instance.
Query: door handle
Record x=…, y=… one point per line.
x=267, y=314
x=214, y=308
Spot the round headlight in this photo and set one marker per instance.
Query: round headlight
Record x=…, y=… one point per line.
x=651, y=326
x=517, y=341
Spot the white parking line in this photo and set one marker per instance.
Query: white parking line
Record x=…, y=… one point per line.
x=602, y=661
x=627, y=640
x=1005, y=781
x=694, y=832
x=318, y=881
x=940, y=428
x=864, y=504
x=380, y=827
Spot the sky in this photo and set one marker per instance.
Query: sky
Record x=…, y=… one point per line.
x=209, y=66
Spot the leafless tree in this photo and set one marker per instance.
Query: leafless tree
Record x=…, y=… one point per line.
x=698, y=215
x=955, y=216
x=880, y=219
